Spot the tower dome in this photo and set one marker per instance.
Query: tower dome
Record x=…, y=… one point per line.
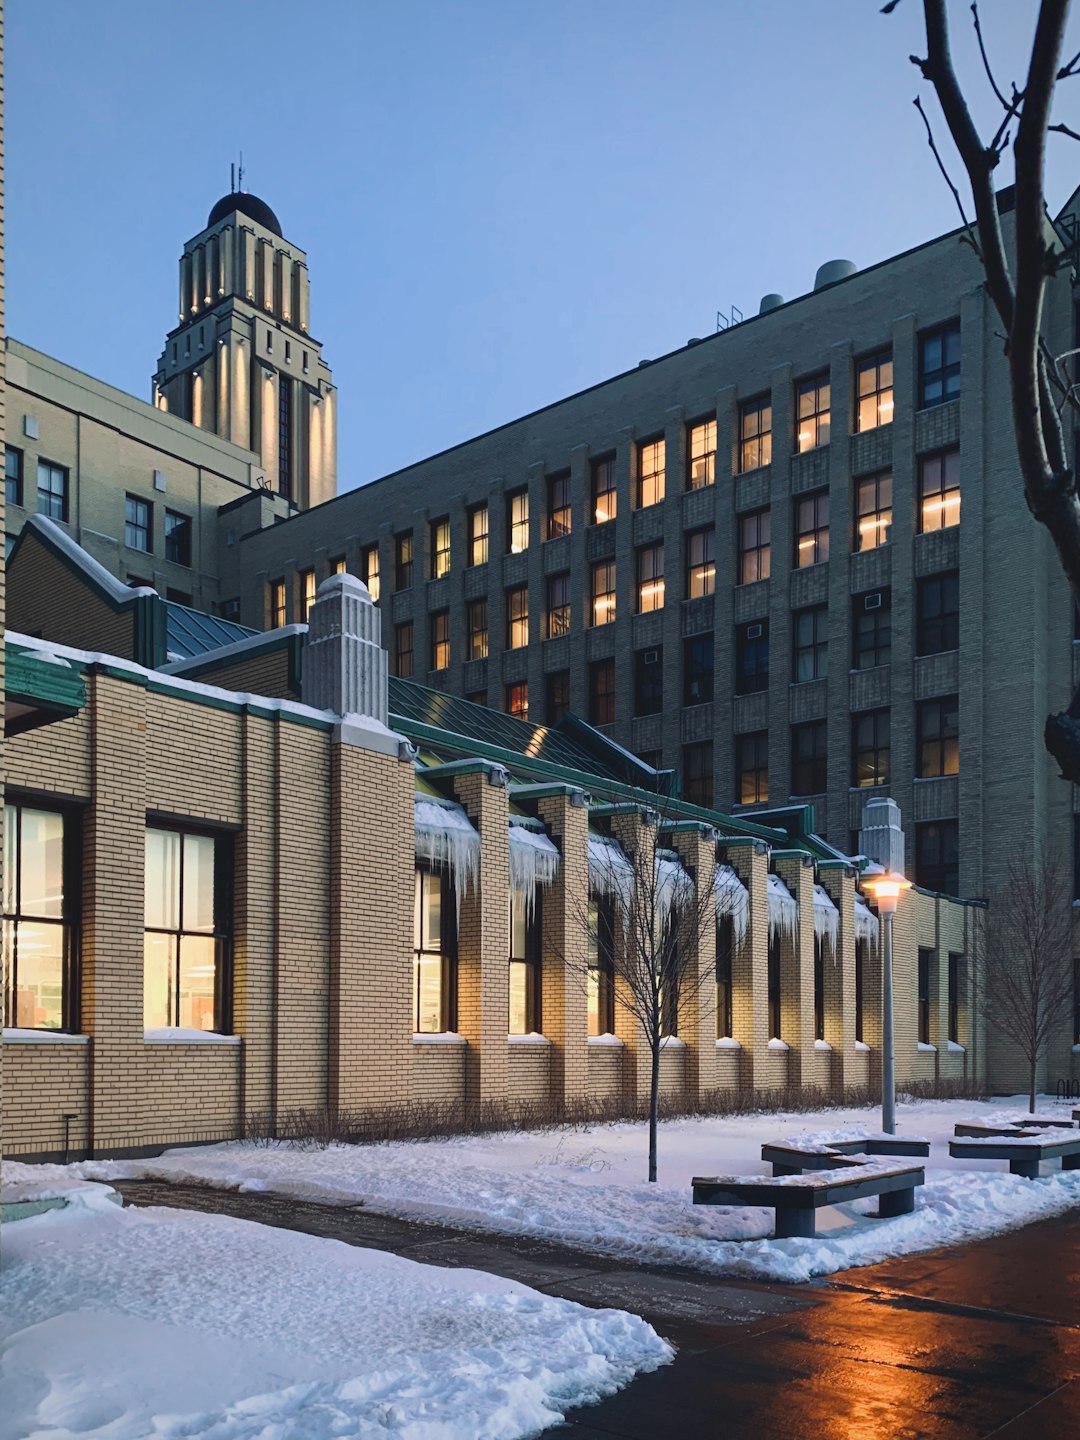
x=240, y=201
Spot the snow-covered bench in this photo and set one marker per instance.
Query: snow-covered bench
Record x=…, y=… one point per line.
x=791, y=1158
x=796, y=1199
x=1023, y=1149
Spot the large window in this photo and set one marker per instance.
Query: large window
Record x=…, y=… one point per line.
x=13, y=476
x=440, y=547
x=433, y=955
x=186, y=931
x=809, y=758
x=938, y=726
x=477, y=624
x=725, y=946
x=517, y=700
x=558, y=605
x=752, y=768
x=874, y=391
x=558, y=498
x=52, y=490
x=137, y=531
x=810, y=644
x=177, y=538
x=603, y=592
x=701, y=454
x=755, y=548
x=517, y=617
x=870, y=748
x=478, y=535
x=773, y=991
x=755, y=434
x=277, y=604
x=873, y=510
x=307, y=593
x=698, y=668
x=871, y=629
x=939, y=491
x=517, y=522
x=602, y=692
x=524, y=1011
x=39, y=946
x=650, y=578
x=700, y=562
x=938, y=614
x=649, y=681
x=862, y=959
x=650, y=480
x=558, y=695
x=819, y=988
x=752, y=657
x=604, y=498
x=440, y=640
x=601, y=973
x=404, y=662
x=698, y=773
x=369, y=571
x=937, y=856
x=812, y=412
x=939, y=365
x=955, y=962
x=923, y=1003
x=812, y=529
x=403, y=560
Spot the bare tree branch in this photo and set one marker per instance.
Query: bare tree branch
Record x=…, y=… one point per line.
x=948, y=179
x=1009, y=109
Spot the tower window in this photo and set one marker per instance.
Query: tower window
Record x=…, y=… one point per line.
x=285, y=437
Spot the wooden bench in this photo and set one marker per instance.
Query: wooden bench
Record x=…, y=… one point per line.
x=797, y=1199
x=794, y=1159
x=1024, y=1150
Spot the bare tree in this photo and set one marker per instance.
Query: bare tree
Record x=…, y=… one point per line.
x=1026, y=954
x=1016, y=283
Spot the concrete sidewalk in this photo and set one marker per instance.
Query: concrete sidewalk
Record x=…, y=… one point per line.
x=976, y=1342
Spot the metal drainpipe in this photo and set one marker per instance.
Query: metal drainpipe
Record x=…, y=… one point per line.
x=275, y=932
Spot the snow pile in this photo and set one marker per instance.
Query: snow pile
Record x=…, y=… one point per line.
x=534, y=860
x=161, y=1322
x=611, y=876
x=866, y=922
x=732, y=899
x=783, y=909
x=826, y=918
x=445, y=837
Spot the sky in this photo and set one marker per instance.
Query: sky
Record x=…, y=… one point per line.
x=502, y=202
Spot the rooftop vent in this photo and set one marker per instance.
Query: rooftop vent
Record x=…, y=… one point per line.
x=832, y=271
x=772, y=301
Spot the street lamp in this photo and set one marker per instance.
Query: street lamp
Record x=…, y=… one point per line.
x=885, y=888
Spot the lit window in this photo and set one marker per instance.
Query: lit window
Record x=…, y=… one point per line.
x=755, y=550
x=697, y=787
x=649, y=681
x=338, y=566
x=873, y=510
x=698, y=669
x=277, y=604
x=604, y=498
x=601, y=967
x=603, y=592
x=13, y=476
x=558, y=695
x=403, y=650
x=939, y=365
x=39, y=948
x=874, y=391
x=524, y=1009
x=725, y=944
x=478, y=535
x=177, y=538
x=870, y=748
x=812, y=413
x=137, y=524
x=558, y=516
x=752, y=768
x=602, y=692
x=701, y=454
x=517, y=522
x=403, y=560
x=812, y=529
x=939, y=491
x=307, y=593
x=433, y=961
x=752, y=657
x=440, y=640
x=558, y=605
x=478, y=629
x=517, y=617
x=809, y=758
x=650, y=578
x=922, y=1013
x=700, y=562
x=938, y=737
x=517, y=700
x=440, y=548
x=937, y=604
x=185, y=932
x=755, y=434
x=810, y=644
x=369, y=569
x=52, y=490
x=650, y=482
x=871, y=629
x=937, y=856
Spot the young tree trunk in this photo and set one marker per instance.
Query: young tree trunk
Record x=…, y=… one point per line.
x=1031, y=1088
x=654, y=1106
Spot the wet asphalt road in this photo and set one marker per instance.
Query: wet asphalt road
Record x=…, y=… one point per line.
x=950, y=1345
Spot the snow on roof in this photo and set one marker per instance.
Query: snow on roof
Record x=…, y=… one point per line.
x=56, y=535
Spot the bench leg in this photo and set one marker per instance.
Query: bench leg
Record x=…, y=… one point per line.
x=896, y=1202
x=1070, y=1162
x=781, y=1169
x=1028, y=1168
x=795, y=1224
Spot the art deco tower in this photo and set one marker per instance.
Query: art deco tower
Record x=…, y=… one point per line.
x=242, y=361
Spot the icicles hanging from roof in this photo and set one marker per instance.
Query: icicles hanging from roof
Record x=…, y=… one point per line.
x=446, y=838
x=866, y=922
x=783, y=908
x=826, y=917
x=674, y=887
x=611, y=876
x=732, y=899
x=534, y=860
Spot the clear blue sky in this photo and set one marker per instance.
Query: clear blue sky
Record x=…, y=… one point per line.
x=502, y=201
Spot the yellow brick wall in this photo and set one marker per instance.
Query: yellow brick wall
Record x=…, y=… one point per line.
x=605, y=1072
x=42, y=1083
x=528, y=1072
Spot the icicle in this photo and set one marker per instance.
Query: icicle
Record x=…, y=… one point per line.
x=826, y=917
x=866, y=922
x=445, y=837
x=783, y=909
x=733, y=900
x=534, y=860
x=674, y=887
x=610, y=873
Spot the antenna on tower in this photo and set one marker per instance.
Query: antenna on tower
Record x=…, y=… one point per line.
x=232, y=178
x=241, y=172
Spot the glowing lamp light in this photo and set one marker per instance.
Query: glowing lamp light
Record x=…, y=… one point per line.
x=885, y=890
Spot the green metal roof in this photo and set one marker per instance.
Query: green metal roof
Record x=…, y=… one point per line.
x=41, y=689
x=192, y=632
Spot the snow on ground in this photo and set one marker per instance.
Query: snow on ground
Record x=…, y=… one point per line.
x=168, y=1324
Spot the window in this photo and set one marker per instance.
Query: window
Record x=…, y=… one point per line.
x=403, y=649
x=650, y=578
x=52, y=490
x=558, y=497
x=939, y=491
x=752, y=768
x=440, y=640
x=178, y=538
x=871, y=629
x=773, y=985
x=819, y=989
x=440, y=548
x=284, y=435
x=230, y=609
x=810, y=644
x=755, y=550
x=517, y=522
x=604, y=498
x=870, y=748
x=517, y=700
x=476, y=697
x=812, y=413
x=39, y=948
x=601, y=973
x=277, y=604
x=874, y=391
x=477, y=616
x=700, y=562
x=649, y=681
x=602, y=692
x=725, y=945
x=478, y=535
x=433, y=954
x=517, y=617
x=186, y=931
x=862, y=956
x=698, y=773
x=13, y=476
x=938, y=726
x=137, y=524
x=939, y=365
x=369, y=570
x=403, y=560
x=307, y=593
x=524, y=1008
x=701, y=454
x=752, y=657
x=955, y=962
x=755, y=434
x=938, y=614
x=873, y=511
x=812, y=529
x=558, y=695
x=809, y=764
x=923, y=1002
x=603, y=592
x=698, y=668
x=650, y=482
x=558, y=605
x=179, y=597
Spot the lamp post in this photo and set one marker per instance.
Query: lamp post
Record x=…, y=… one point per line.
x=885, y=889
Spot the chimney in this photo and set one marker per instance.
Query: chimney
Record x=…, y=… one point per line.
x=881, y=838
x=344, y=663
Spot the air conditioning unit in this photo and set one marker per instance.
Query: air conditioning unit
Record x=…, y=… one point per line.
x=650, y=657
x=755, y=632
x=873, y=601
